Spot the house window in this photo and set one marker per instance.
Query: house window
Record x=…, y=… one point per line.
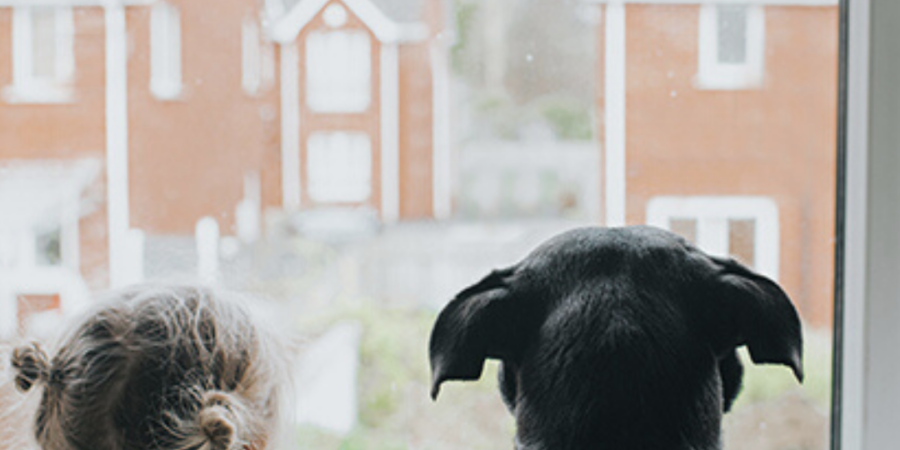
x=48, y=248
x=731, y=47
x=339, y=167
x=257, y=59
x=43, y=55
x=165, y=51
x=744, y=228
x=339, y=71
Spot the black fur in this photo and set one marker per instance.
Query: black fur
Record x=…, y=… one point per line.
x=620, y=338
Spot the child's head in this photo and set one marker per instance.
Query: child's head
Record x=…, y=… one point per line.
x=158, y=367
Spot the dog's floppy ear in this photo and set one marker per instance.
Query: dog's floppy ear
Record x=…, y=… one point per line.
x=479, y=323
x=761, y=316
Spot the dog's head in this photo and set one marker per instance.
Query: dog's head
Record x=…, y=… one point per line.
x=619, y=338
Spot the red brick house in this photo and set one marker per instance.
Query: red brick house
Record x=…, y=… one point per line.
x=719, y=121
x=126, y=120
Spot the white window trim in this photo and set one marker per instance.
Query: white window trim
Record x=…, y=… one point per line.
x=353, y=196
x=251, y=69
x=714, y=75
x=330, y=103
x=869, y=320
x=25, y=87
x=73, y=292
x=26, y=276
x=290, y=127
x=712, y=214
x=257, y=59
x=165, y=52
x=721, y=2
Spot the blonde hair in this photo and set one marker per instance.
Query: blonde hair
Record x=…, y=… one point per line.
x=173, y=368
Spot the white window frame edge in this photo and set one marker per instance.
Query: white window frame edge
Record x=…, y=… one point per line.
x=764, y=210
x=251, y=56
x=713, y=75
x=24, y=88
x=166, y=65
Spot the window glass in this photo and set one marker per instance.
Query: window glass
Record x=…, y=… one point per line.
x=354, y=164
x=340, y=167
x=340, y=75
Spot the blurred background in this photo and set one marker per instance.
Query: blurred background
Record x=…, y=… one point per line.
x=355, y=163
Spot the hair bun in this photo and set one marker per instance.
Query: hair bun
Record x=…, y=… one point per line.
x=32, y=365
x=220, y=419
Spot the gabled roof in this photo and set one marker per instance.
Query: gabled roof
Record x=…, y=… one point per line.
x=402, y=11
x=399, y=26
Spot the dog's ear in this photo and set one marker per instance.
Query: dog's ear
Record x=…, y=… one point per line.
x=759, y=314
x=479, y=323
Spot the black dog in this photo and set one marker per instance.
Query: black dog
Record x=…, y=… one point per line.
x=621, y=339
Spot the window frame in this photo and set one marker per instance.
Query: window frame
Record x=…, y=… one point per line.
x=326, y=138
x=166, y=78
x=26, y=87
x=715, y=75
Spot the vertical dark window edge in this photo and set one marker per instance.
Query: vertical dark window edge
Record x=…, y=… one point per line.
x=840, y=226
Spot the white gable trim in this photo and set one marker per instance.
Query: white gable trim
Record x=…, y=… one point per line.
x=4, y=3
x=386, y=30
